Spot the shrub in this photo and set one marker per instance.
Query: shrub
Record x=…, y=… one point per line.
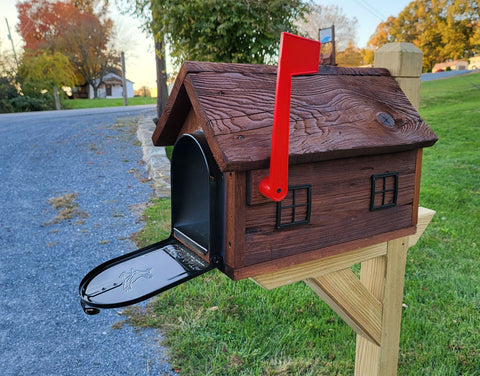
x=5, y=106
x=7, y=93
x=42, y=102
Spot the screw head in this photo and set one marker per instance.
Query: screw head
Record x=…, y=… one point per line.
x=386, y=119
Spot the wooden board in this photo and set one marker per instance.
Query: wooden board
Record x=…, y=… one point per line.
x=234, y=218
x=317, y=268
x=310, y=256
x=340, y=209
x=334, y=114
x=347, y=296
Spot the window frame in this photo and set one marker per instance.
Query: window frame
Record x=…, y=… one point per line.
x=384, y=191
x=281, y=206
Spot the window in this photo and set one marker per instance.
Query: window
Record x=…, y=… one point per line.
x=296, y=207
x=384, y=191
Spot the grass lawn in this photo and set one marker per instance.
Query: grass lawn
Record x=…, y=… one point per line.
x=104, y=102
x=214, y=326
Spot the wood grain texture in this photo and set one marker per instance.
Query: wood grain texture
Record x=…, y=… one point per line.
x=392, y=306
x=334, y=113
x=331, y=117
x=319, y=267
x=382, y=278
x=234, y=220
x=201, y=66
x=424, y=217
x=372, y=276
x=340, y=210
x=176, y=110
x=373, y=265
x=416, y=195
x=317, y=254
x=349, y=298
x=366, y=357
x=191, y=123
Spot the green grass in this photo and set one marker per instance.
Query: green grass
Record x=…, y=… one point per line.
x=157, y=223
x=103, y=102
x=214, y=326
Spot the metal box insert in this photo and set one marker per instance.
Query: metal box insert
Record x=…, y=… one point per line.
x=193, y=248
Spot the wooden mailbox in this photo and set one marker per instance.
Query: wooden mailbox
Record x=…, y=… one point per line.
x=354, y=165
x=354, y=162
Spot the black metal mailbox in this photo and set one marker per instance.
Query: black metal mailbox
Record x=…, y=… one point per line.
x=194, y=247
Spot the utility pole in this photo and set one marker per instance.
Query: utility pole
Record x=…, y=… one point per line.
x=11, y=40
x=124, y=81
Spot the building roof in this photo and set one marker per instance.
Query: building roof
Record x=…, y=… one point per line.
x=113, y=78
x=447, y=64
x=336, y=113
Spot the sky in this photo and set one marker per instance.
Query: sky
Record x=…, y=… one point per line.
x=138, y=47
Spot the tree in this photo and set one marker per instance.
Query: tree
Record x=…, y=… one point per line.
x=148, y=13
x=235, y=31
x=442, y=29
x=41, y=21
x=245, y=31
x=46, y=71
x=350, y=57
x=143, y=92
x=323, y=16
x=98, y=7
x=72, y=29
x=475, y=40
x=85, y=42
x=382, y=35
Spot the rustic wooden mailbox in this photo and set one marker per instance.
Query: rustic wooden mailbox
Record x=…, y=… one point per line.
x=355, y=159
x=354, y=162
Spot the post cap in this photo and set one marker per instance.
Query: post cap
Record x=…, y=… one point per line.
x=401, y=59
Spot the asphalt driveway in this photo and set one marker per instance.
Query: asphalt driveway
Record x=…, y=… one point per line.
x=71, y=189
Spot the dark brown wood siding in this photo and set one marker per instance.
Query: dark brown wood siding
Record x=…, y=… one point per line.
x=341, y=191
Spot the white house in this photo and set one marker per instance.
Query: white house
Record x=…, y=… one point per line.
x=111, y=87
x=474, y=62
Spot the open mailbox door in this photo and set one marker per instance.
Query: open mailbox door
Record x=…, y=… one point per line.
x=194, y=247
x=140, y=275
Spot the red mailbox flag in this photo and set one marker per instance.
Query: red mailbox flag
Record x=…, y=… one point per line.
x=298, y=56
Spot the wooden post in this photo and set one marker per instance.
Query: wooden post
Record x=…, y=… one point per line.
x=57, y=98
x=372, y=306
x=124, y=81
x=384, y=276
x=161, y=66
x=404, y=61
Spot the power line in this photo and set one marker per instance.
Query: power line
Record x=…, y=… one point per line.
x=372, y=10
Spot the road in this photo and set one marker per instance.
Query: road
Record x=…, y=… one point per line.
x=441, y=75
x=79, y=159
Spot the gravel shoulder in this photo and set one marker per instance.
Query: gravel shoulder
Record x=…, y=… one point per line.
x=94, y=169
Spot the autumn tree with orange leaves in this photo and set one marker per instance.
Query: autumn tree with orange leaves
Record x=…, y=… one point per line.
x=442, y=29
x=78, y=29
